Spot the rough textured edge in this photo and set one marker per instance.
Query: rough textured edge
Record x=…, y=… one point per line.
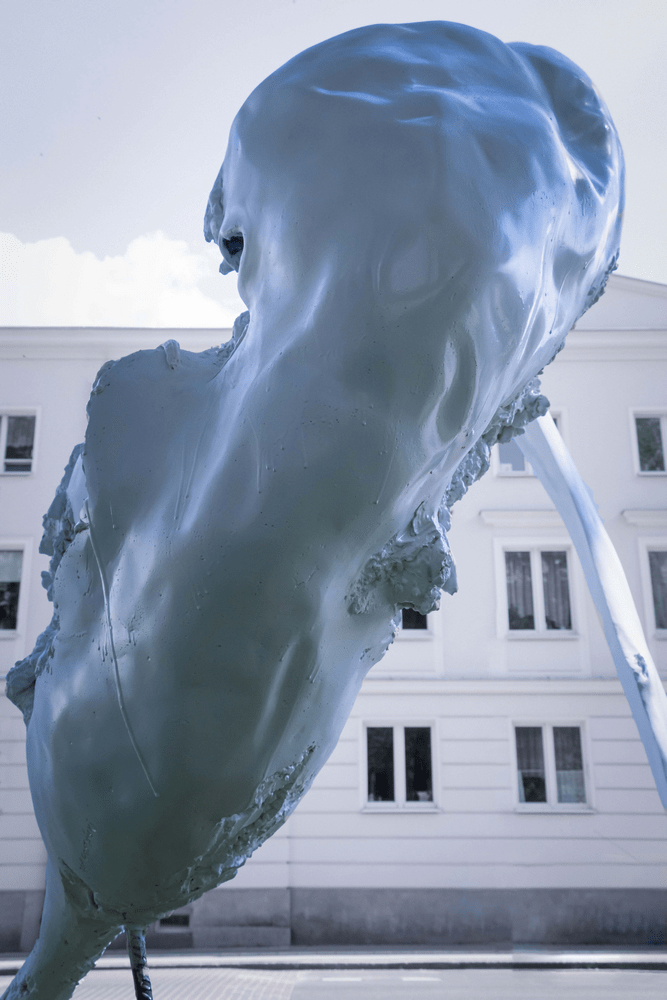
x=273, y=802
x=415, y=565
x=60, y=528
x=410, y=571
x=61, y=525
x=508, y=422
x=235, y=839
x=598, y=289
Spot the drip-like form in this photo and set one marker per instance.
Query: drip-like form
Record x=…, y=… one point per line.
x=418, y=214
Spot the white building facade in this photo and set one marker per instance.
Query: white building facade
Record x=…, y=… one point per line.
x=490, y=785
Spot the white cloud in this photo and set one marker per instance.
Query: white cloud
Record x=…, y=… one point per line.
x=154, y=283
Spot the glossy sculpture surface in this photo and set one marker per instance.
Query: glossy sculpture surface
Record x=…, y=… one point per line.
x=418, y=215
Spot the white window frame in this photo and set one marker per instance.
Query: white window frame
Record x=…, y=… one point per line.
x=535, y=546
x=646, y=545
x=18, y=411
x=648, y=411
x=23, y=545
x=498, y=469
x=552, y=805
x=400, y=803
x=417, y=634
x=527, y=472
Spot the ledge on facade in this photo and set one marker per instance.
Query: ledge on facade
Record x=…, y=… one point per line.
x=614, y=345
x=67, y=343
x=656, y=518
x=544, y=684
x=522, y=518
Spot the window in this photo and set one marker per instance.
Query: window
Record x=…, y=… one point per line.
x=11, y=561
x=510, y=459
x=538, y=591
x=550, y=766
x=657, y=561
x=411, y=619
x=650, y=438
x=17, y=440
x=653, y=568
x=178, y=920
x=399, y=766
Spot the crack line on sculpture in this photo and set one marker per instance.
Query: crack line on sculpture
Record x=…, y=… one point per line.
x=184, y=495
x=386, y=478
x=258, y=455
x=119, y=690
x=179, y=496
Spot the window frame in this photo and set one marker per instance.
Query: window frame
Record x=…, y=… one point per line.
x=552, y=805
x=416, y=634
x=535, y=546
x=558, y=414
x=646, y=545
x=18, y=411
x=648, y=411
x=400, y=803
x=23, y=545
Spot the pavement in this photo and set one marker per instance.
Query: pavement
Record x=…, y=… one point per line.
x=225, y=982
x=313, y=959
x=511, y=973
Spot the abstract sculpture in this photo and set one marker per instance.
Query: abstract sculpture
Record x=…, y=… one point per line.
x=418, y=215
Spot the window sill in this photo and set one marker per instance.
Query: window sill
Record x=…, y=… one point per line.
x=401, y=675
x=8, y=633
x=561, y=808
x=404, y=810
x=525, y=634
x=660, y=633
x=414, y=635
x=16, y=475
x=651, y=473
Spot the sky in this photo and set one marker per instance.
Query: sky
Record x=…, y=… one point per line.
x=115, y=116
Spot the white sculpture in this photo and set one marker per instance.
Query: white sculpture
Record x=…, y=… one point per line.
x=418, y=214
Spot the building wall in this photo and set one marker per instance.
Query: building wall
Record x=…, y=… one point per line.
x=476, y=865
x=480, y=836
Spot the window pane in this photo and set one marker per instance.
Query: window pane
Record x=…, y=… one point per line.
x=10, y=565
x=530, y=762
x=412, y=619
x=649, y=441
x=380, y=764
x=176, y=920
x=658, y=566
x=418, y=775
x=569, y=764
x=556, y=590
x=519, y=590
x=10, y=576
x=511, y=457
x=18, y=449
x=9, y=602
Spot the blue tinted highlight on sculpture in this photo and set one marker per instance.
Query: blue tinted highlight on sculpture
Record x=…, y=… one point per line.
x=418, y=214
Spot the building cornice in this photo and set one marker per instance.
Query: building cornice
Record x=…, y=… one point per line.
x=623, y=282
x=522, y=518
x=99, y=343
x=646, y=518
x=614, y=345
x=61, y=342
x=496, y=686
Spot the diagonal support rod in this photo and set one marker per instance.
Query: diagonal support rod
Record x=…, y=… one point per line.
x=544, y=448
x=136, y=948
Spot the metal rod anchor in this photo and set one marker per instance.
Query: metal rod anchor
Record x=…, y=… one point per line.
x=136, y=949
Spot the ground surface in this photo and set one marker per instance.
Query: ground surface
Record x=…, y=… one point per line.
x=381, y=984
